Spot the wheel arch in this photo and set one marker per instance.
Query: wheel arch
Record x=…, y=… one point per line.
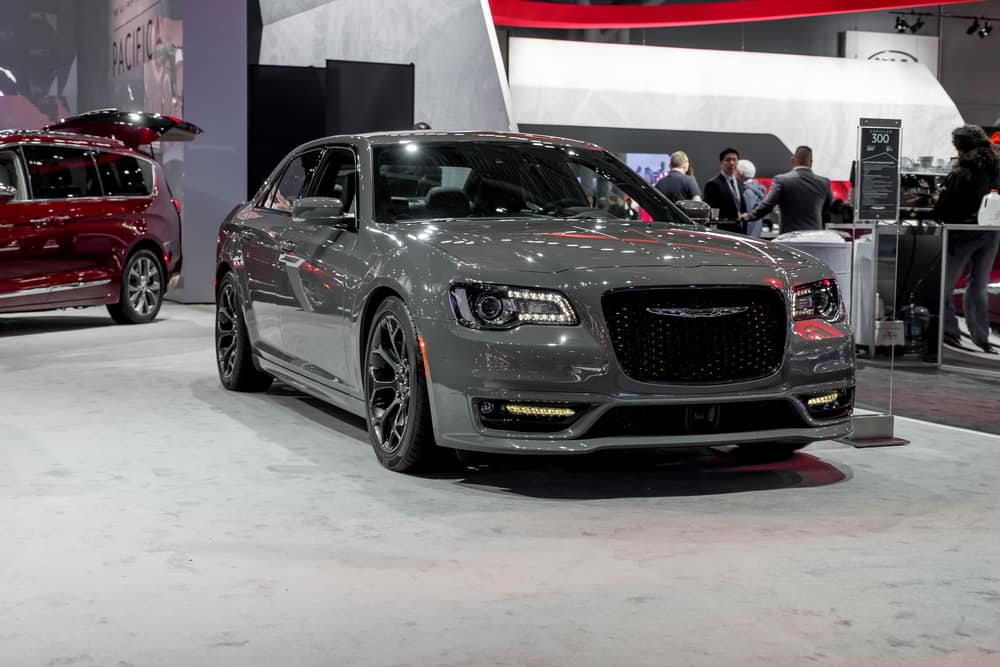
x=152, y=246
x=221, y=270
x=372, y=303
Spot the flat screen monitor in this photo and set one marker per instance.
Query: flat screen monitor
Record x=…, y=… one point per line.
x=651, y=166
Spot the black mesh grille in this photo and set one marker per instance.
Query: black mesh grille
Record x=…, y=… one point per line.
x=747, y=344
x=665, y=420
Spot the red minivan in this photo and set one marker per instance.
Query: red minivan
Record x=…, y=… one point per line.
x=87, y=217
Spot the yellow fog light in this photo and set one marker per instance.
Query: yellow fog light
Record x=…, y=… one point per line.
x=825, y=399
x=538, y=410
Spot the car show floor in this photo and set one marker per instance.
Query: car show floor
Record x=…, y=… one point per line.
x=151, y=518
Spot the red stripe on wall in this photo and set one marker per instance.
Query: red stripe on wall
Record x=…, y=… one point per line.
x=535, y=14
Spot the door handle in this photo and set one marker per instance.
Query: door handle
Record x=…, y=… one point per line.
x=287, y=246
x=41, y=221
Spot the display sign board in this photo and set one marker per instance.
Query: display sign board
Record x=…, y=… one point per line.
x=133, y=38
x=877, y=173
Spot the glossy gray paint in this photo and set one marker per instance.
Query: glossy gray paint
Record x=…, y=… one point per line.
x=306, y=309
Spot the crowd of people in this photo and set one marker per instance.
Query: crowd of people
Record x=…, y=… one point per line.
x=740, y=202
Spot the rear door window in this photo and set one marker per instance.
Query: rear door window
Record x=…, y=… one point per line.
x=125, y=175
x=58, y=172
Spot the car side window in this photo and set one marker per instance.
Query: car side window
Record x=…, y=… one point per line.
x=124, y=175
x=12, y=175
x=59, y=172
x=293, y=182
x=339, y=178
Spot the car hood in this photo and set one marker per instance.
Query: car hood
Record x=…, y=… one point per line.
x=551, y=246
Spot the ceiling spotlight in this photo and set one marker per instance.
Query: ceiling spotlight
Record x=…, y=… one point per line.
x=902, y=26
x=985, y=30
x=917, y=25
x=972, y=29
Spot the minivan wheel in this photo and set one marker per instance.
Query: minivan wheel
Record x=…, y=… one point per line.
x=141, y=292
x=396, y=400
x=233, y=356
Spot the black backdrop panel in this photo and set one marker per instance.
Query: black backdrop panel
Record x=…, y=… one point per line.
x=368, y=97
x=287, y=107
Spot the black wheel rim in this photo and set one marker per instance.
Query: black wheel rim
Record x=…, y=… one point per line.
x=388, y=383
x=226, y=331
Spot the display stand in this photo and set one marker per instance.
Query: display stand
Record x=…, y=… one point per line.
x=876, y=207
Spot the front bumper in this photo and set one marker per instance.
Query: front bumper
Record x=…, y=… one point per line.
x=576, y=365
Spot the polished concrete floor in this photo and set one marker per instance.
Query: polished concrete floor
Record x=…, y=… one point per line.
x=147, y=517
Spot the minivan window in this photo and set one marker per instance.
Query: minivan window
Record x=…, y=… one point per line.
x=10, y=174
x=58, y=172
x=125, y=175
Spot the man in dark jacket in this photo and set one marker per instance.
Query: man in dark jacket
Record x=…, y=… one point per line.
x=725, y=193
x=676, y=184
x=975, y=174
x=804, y=197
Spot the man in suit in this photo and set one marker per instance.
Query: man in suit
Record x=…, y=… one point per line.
x=725, y=193
x=804, y=197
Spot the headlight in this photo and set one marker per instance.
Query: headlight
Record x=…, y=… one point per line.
x=818, y=300
x=501, y=307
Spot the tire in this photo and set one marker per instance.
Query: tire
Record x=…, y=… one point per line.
x=233, y=354
x=396, y=400
x=765, y=452
x=142, y=290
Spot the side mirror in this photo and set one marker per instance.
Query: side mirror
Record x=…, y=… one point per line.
x=698, y=211
x=7, y=193
x=322, y=211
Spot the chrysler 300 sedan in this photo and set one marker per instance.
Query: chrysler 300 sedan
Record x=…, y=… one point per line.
x=515, y=293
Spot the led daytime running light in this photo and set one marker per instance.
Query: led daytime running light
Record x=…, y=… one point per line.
x=538, y=410
x=825, y=399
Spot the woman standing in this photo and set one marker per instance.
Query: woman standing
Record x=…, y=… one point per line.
x=976, y=172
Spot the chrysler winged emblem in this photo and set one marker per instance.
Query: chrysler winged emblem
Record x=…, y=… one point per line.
x=697, y=312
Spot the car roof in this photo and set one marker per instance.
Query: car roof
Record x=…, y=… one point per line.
x=434, y=136
x=47, y=137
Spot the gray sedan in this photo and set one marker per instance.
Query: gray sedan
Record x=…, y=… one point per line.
x=516, y=293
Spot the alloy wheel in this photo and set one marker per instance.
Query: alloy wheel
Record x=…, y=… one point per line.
x=226, y=331
x=144, y=285
x=388, y=383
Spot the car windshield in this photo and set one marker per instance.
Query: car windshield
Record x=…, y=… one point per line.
x=516, y=179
